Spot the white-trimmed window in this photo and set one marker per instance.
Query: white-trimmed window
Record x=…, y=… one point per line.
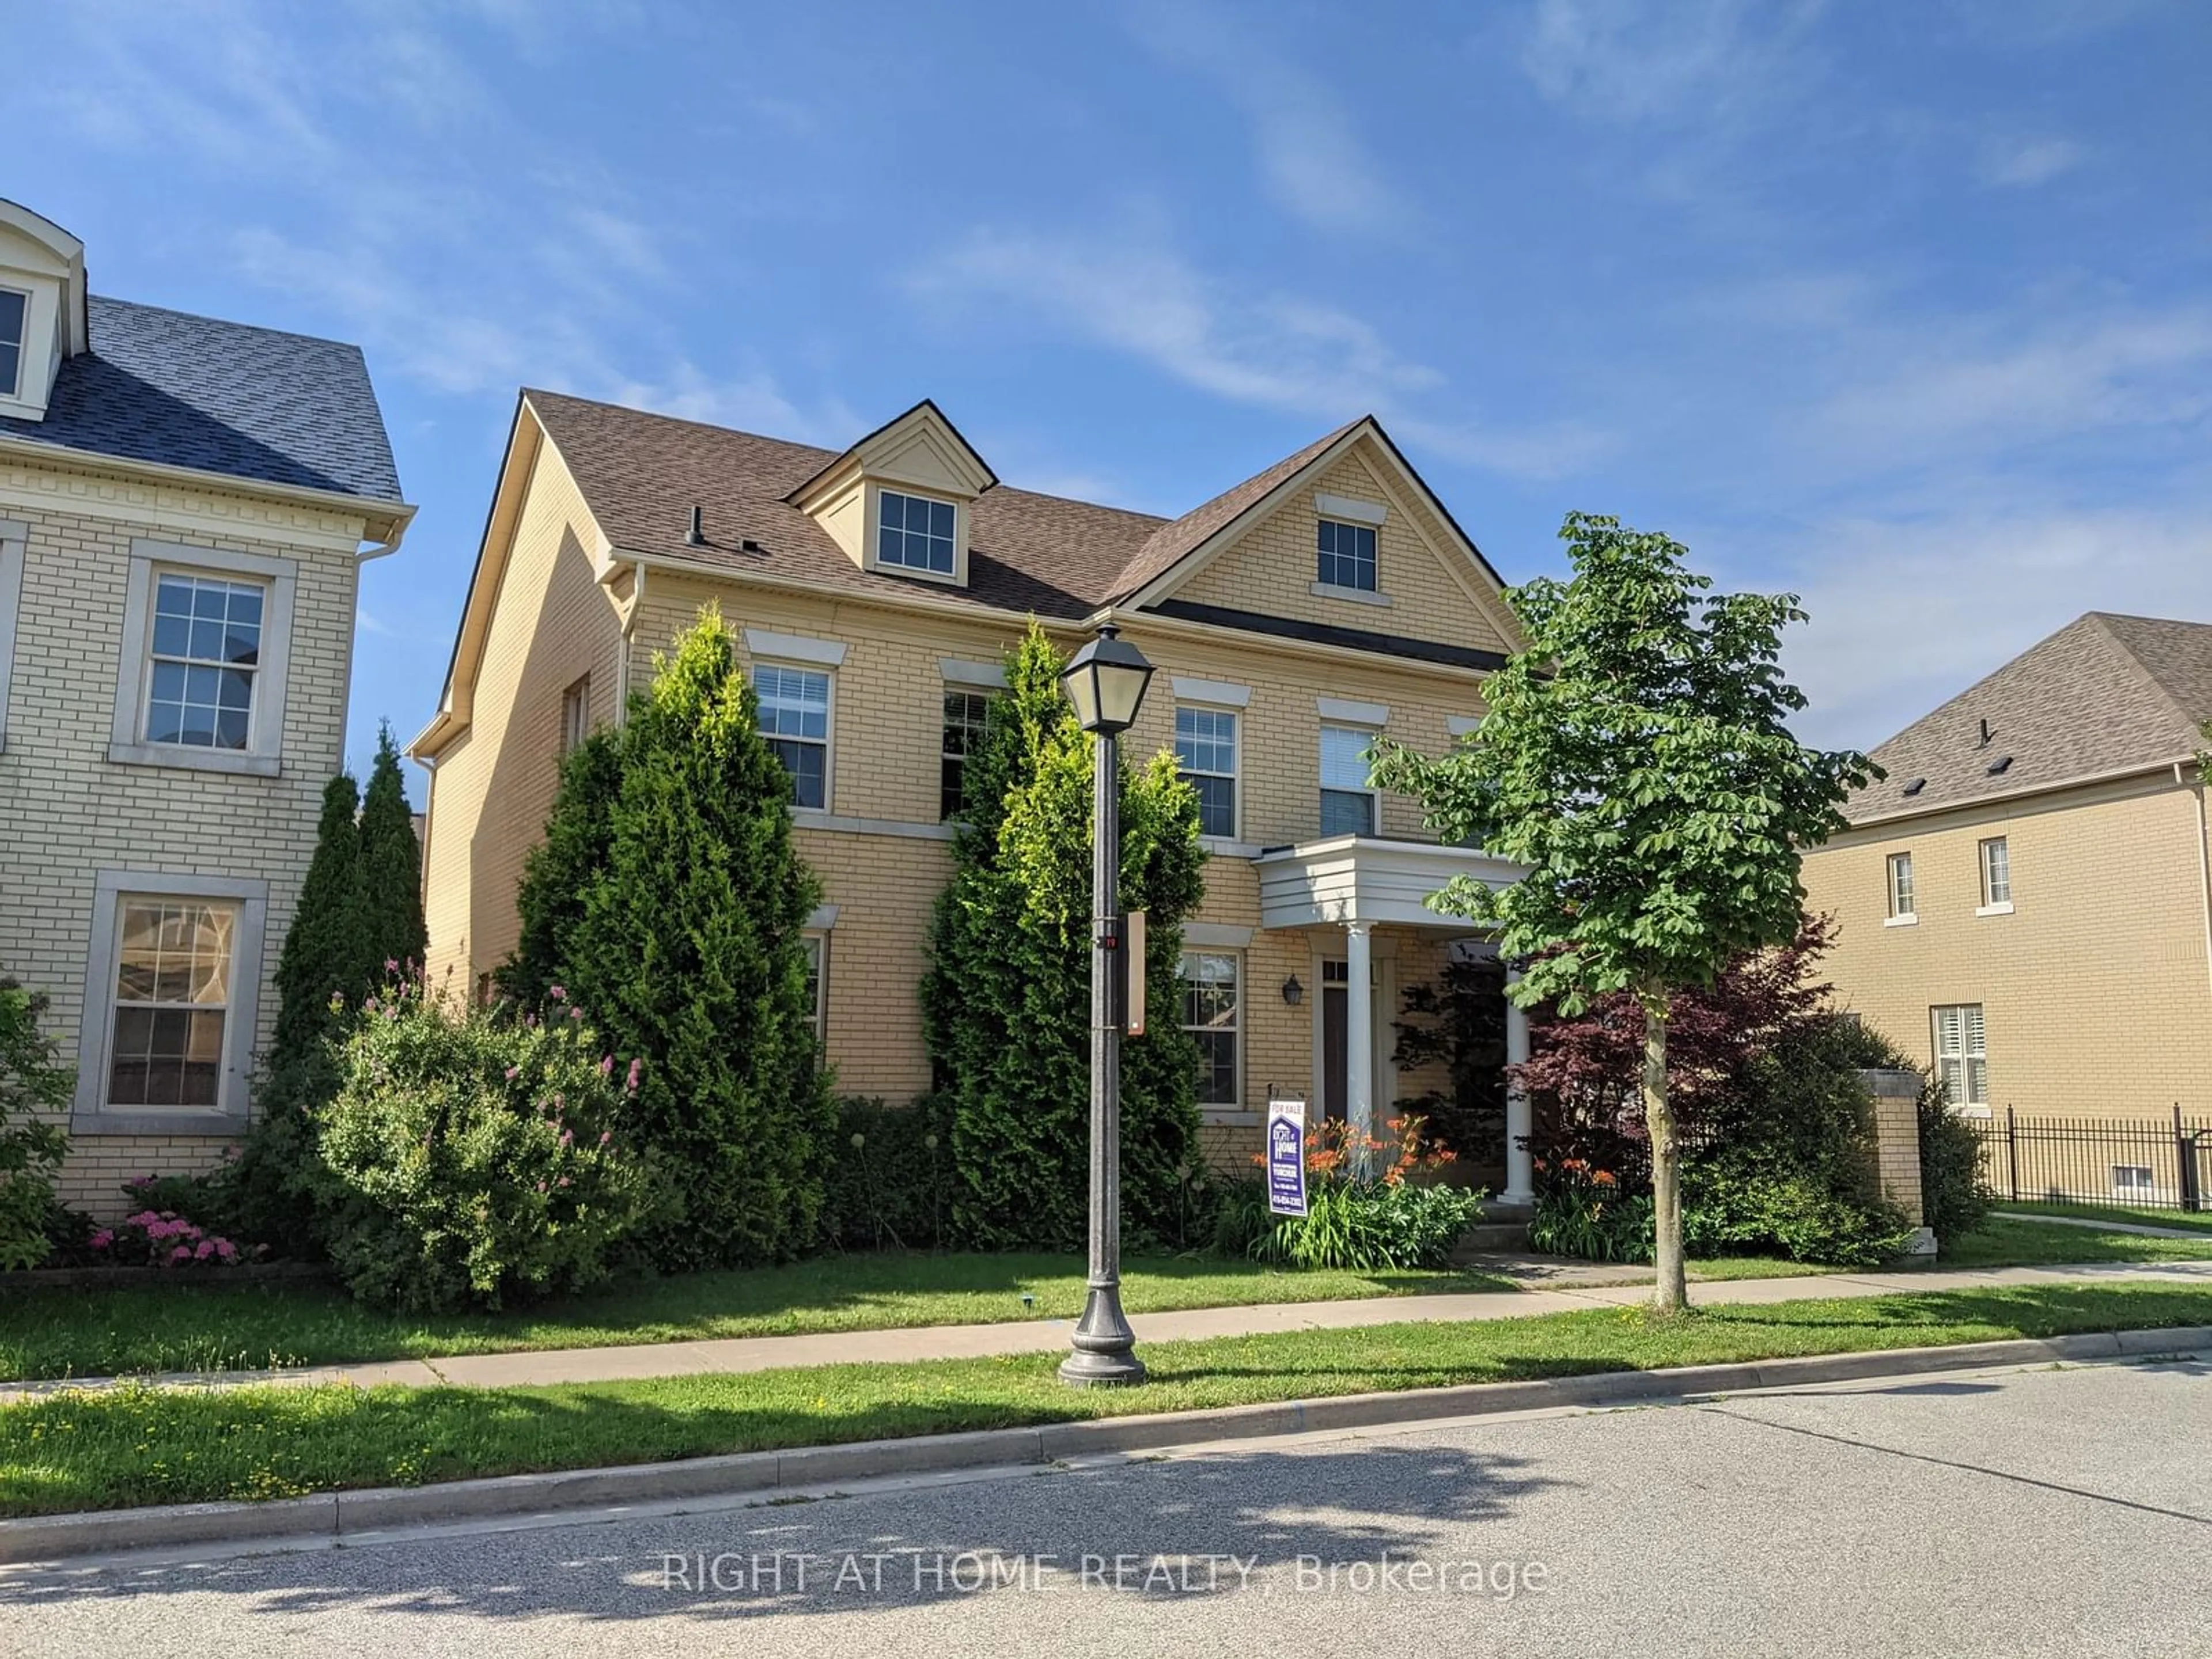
x=1900, y=886
x=794, y=718
x=1347, y=797
x=816, y=946
x=913, y=533
x=15, y=315
x=1346, y=555
x=576, y=714
x=2134, y=1181
x=206, y=644
x=172, y=995
x=1205, y=749
x=1962, y=1061
x=1997, y=873
x=1212, y=1012
x=966, y=715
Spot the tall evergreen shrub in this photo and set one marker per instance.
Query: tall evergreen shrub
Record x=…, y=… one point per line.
x=1006, y=1001
x=392, y=927
x=677, y=929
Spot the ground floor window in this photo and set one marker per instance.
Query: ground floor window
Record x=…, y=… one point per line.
x=1962, y=1062
x=1212, y=1012
x=172, y=993
x=816, y=946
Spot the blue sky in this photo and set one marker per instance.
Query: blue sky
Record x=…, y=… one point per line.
x=1903, y=304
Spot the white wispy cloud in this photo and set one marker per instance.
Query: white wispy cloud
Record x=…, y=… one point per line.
x=1125, y=288
x=1311, y=158
x=2024, y=163
x=1643, y=60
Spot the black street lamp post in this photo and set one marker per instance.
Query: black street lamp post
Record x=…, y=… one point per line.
x=1106, y=682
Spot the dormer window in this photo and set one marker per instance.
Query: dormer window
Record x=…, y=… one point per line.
x=915, y=533
x=15, y=312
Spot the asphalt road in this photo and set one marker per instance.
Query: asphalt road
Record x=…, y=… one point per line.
x=2061, y=1512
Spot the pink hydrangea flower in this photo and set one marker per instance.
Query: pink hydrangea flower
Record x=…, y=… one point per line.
x=103, y=1238
x=575, y=1013
x=225, y=1248
x=182, y=1253
x=558, y=993
x=206, y=1250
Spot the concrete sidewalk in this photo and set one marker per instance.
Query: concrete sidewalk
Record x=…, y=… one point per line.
x=757, y=1353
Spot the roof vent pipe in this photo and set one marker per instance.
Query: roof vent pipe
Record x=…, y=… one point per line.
x=1985, y=733
x=696, y=537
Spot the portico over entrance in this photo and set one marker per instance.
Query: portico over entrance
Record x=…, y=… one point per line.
x=1339, y=891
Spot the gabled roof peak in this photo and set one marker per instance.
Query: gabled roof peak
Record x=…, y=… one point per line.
x=921, y=446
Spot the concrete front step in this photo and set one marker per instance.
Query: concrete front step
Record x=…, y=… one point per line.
x=1492, y=1236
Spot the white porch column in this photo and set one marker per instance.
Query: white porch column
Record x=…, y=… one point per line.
x=1359, y=1029
x=1520, y=1119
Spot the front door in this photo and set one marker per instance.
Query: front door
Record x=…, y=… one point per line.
x=1335, y=1011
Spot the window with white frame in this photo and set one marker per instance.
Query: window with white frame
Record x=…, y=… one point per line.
x=172, y=993
x=1997, y=872
x=1962, y=1062
x=1212, y=1012
x=576, y=714
x=914, y=533
x=966, y=715
x=1347, y=798
x=15, y=313
x=794, y=718
x=1347, y=554
x=816, y=946
x=1900, y=884
x=1205, y=749
x=205, y=654
x=2133, y=1181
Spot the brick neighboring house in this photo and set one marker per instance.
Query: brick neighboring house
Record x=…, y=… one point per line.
x=2025, y=902
x=1329, y=598
x=183, y=504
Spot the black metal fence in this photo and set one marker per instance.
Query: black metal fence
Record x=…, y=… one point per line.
x=2144, y=1166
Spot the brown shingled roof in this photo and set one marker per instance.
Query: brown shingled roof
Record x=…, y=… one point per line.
x=2104, y=694
x=1172, y=543
x=641, y=473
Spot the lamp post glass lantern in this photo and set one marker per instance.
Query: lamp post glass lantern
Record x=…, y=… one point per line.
x=1106, y=682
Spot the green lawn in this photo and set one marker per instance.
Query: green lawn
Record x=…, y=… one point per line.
x=82, y=1449
x=2040, y=1243
x=2196, y=1220
x=183, y=1327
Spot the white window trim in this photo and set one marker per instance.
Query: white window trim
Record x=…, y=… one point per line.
x=1965, y=1055
x=575, y=714
x=1214, y=1111
x=264, y=745
x=13, y=403
x=96, y=1029
x=1325, y=787
x=821, y=937
x=2002, y=908
x=958, y=688
x=1897, y=918
x=1235, y=711
x=1989, y=906
x=15, y=538
x=872, y=534
x=1322, y=590
x=802, y=814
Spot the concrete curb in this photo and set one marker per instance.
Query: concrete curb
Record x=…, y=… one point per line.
x=343, y=1514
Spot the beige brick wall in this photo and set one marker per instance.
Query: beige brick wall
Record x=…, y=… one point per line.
x=2095, y=990
x=67, y=812
x=491, y=790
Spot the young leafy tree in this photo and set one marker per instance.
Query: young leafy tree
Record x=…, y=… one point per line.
x=1637, y=760
x=1006, y=999
x=689, y=953
x=392, y=927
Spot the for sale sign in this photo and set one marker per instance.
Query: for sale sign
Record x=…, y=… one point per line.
x=1286, y=1156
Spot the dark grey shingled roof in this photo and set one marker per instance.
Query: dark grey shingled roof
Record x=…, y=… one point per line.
x=2104, y=694
x=222, y=397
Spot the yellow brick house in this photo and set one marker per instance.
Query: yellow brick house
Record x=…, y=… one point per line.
x=2025, y=902
x=185, y=505
x=1294, y=617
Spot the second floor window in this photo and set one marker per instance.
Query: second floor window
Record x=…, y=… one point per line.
x=1997, y=872
x=1347, y=799
x=13, y=305
x=966, y=714
x=794, y=718
x=576, y=714
x=206, y=652
x=1347, y=555
x=1205, y=749
x=913, y=533
x=1900, y=884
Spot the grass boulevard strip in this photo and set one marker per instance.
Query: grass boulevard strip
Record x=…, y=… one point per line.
x=136, y=1445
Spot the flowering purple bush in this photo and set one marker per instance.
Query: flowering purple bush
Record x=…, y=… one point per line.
x=162, y=1238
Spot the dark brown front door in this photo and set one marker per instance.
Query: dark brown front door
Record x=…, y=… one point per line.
x=1334, y=1012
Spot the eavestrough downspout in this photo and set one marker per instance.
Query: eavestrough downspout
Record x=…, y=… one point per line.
x=2203, y=861
x=629, y=632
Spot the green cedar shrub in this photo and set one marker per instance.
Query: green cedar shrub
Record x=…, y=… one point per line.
x=1006, y=999
x=34, y=1091
x=889, y=1176
x=474, y=1159
x=561, y=869
x=393, y=939
x=689, y=950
